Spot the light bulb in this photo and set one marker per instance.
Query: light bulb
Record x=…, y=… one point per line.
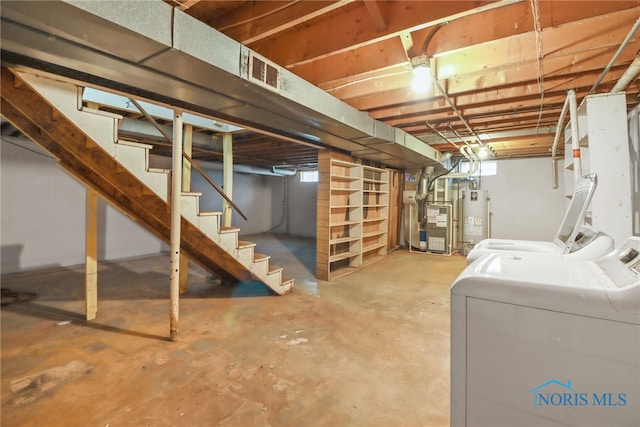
x=421, y=79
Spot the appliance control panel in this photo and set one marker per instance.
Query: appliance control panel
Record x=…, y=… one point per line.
x=622, y=267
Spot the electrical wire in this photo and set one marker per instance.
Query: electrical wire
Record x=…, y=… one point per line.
x=535, y=9
x=433, y=180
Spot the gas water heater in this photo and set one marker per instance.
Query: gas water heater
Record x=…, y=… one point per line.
x=475, y=217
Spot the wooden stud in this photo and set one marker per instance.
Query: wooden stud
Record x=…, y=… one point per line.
x=227, y=179
x=91, y=255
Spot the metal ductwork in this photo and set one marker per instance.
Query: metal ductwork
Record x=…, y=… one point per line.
x=151, y=50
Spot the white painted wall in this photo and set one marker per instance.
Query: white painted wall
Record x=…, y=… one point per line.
x=302, y=207
x=251, y=193
x=523, y=202
x=43, y=215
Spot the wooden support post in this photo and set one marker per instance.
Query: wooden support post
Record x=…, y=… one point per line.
x=186, y=186
x=176, y=215
x=227, y=177
x=91, y=252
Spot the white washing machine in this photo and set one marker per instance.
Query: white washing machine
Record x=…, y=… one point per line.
x=573, y=238
x=543, y=340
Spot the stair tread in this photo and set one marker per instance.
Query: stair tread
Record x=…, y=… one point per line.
x=209, y=213
x=274, y=269
x=245, y=244
x=134, y=144
x=191, y=193
x=229, y=229
x=158, y=170
x=260, y=257
x=288, y=282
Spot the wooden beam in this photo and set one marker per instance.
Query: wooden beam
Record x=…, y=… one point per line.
x=460, y=34
x=351, y=30
x=175, y=232
x=261, y=20
x=91, y=255
x=373, y=7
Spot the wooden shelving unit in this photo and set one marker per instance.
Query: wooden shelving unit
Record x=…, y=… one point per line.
x=375, y=215
x=353, y=212
x=604, y=150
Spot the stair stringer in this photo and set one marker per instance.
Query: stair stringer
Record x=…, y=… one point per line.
x=99, y=130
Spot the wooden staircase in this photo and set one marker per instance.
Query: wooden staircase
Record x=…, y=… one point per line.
x=85, y=141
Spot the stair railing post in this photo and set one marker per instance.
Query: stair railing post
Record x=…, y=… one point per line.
x=227, y=177
x=91, y=258
x=176, y=214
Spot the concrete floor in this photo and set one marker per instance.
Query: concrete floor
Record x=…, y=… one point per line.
x=369, y=349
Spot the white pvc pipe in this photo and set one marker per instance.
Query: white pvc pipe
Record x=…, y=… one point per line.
x=629, y=74
x=468, y=153
x=622, y=46
x=176, y=215
x=556, y=138
x=575, y=137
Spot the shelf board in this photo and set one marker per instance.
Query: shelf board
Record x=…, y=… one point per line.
x=345, y=178
x=345, y=206
x=341, y=272
x=374, y=219
x=375, y=191
x=344, y=189
x=343, y=255
x=373, y=247
x=343, y=240
x=341, y=223
x=375, y=181
x=374, y=233
x=344, y=163
x=379, y=205
x=372, y=260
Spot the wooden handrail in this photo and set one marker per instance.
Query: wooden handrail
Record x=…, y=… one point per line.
x=213, y=184
x=189, y=159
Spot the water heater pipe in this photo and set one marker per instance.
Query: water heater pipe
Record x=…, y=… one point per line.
x=474, y=161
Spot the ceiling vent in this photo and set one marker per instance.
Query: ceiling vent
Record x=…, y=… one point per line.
x=264, y=72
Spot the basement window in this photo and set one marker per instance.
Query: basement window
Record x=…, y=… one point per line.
x=308, y=176
x=487, y=168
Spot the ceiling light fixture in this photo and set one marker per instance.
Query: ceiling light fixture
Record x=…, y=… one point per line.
x=422, y=79
x=421, y=66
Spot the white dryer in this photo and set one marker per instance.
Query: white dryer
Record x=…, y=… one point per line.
x=544, y=340
x=573, y=238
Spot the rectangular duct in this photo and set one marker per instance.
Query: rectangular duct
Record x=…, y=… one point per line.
x=154, y=51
